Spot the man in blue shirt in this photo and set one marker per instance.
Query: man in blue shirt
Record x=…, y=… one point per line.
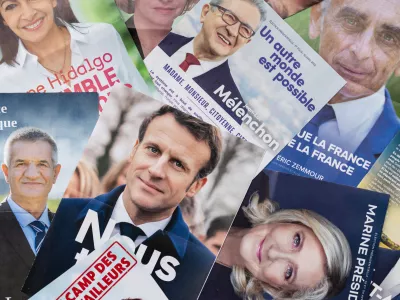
x=30, y=168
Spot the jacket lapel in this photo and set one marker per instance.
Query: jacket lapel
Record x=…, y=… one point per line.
x=13, y=233
x=173, y=240
x=103, y=205
x=383, y=131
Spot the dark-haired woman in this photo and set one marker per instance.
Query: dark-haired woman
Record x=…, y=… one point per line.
x=42, y=53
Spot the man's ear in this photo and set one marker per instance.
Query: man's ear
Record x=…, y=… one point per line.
x=204, y=11
x=56, y=172
x=134, y=149
x=4, y=168
x=196, y=187
x=315, y=25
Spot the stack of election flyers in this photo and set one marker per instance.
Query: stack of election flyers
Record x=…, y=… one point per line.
x=179, y=173
x=262, y=84
x=159, y=149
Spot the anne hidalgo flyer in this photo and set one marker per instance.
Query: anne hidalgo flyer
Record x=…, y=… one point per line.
x=240, y=67
x=67, y=46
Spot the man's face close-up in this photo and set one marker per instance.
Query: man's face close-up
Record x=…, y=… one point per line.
x=360, y=39
x=221, y=39
x=31, y=173
x=164, y=165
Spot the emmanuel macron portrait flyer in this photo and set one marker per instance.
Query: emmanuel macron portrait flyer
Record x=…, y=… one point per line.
x=164, y=178
x=255, y=77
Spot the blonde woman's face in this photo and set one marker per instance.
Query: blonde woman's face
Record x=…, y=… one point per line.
x=30, y=20
x=286, y=256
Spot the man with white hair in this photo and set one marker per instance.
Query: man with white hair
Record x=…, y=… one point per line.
x=360, y=39
x=30, y=168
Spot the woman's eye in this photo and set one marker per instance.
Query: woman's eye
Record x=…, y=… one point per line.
x=288, y=273
x=11, y=6
x=296, y=240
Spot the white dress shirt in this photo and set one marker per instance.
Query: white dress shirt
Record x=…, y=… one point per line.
x=120, y=215
x=24, y=218
x=354, y=120
x=90, y=44
x=194, y=70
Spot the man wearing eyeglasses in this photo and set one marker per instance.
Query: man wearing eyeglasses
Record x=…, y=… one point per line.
x=228, y=25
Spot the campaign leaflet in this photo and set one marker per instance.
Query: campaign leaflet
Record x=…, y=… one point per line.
x=76, y=48
x=149, y=22
x=109, y=272
x=390, y=288
x=256, y=79
x=316, y=235
x=169, y=163
x=42, y=138
x=384, y=177
x=346, y=137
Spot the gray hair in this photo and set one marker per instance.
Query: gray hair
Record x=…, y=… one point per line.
x=260, y=4
x=29, y=134
x=333, y=241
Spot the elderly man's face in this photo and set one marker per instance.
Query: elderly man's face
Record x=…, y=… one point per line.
x=360, y=39
x=31, y=173
x=221, y=39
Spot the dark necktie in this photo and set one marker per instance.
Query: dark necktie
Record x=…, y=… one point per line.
x=190, y=60
x=324, y=115
x=40, y=231
x=130, y=230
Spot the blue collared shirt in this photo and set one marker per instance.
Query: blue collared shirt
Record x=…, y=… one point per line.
x=24, y=218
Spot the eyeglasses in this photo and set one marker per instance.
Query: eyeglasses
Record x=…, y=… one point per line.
x=231, y=19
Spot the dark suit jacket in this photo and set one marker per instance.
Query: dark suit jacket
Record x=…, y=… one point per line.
x=211, y=80
x=59, y=248
x=378, y=138
x=16, y=256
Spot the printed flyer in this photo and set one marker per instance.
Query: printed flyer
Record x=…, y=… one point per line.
x=150, y=21
x=169, y=181
x=360, y=41
x=384, y=177
x=51, y=51
x=109, y=272
x=42, y=138
x=239, y=66
x=318, y=242
x=389, y=289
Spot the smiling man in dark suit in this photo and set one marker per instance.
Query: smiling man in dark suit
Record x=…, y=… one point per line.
x=227, y=26
x=30, y=168
x=171, y=160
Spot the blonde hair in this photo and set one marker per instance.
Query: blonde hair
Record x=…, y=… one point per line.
x=110, y=179
x=89, y=183
x=333, y=241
